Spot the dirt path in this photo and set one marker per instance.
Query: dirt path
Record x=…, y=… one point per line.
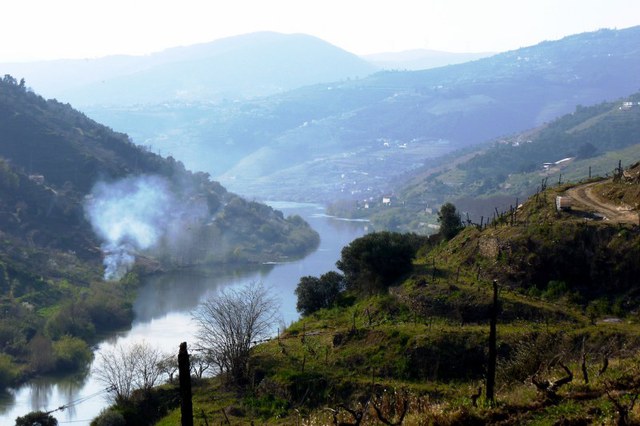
x=584, y=199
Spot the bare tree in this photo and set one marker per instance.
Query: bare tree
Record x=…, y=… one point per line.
x=200, y=363
x=549, y=388
x=127, y=368
x=230, y=322
x=394, y=405
x=623, y=405
x=168, y=365
x=358, y=413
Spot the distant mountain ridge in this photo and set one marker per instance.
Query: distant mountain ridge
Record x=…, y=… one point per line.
x=421, y=59
x=244, y=66
x=350, y=139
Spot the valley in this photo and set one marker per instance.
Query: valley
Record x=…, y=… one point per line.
x=162, y=315
x=84, y=214
x=341, y=127
x=415, y=269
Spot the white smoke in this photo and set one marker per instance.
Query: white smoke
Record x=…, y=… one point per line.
x=131, y=215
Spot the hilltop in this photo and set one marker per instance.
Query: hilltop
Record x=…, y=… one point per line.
x=239, y=67
x=65, y=154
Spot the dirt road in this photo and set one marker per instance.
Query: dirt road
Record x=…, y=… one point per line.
x=584, y=199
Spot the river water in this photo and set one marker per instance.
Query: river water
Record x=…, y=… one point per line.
x=163, y=316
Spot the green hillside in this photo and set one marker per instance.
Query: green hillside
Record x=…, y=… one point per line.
x=67, y=184
x=417, y=351
x=479, y=180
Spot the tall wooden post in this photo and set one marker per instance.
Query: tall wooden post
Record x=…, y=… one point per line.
x=184, y=369
x=493, y=351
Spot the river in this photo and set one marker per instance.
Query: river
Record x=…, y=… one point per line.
x=163, y=316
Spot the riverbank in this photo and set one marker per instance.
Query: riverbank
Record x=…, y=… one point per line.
x=161, y=313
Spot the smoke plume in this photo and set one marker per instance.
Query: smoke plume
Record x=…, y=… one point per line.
x=134, y=214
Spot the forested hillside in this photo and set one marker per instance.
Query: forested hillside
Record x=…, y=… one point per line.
x=79, y=203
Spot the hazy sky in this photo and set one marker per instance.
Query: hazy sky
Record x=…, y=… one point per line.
x=45, y=29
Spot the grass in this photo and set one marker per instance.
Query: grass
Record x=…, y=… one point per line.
x=424, y=343
x=307, y=372
x=276, y=401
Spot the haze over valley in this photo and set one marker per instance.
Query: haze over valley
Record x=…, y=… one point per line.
x=418, y=214
x=347, y=139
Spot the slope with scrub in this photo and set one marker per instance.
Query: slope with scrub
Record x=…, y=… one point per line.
x=417, y=352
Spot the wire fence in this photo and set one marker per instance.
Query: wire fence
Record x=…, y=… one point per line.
x=77, y=402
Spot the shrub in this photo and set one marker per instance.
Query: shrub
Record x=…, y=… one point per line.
x=37, y=418
x=71, y=319
x=373, y=262
x=450, y=222
x=71, y=353
x=41, y=357
x=555, y=289
x=109, y=417
x=318, y=293
x=8, y=371
x=108, y=306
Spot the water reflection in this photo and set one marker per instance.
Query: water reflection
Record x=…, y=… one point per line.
x=45, y=393
x=40, y=394
x=181, y=291
x=162, y=315
x=7, y=399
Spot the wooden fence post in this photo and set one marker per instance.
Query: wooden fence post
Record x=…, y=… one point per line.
x=184, y=369
x=493, y=351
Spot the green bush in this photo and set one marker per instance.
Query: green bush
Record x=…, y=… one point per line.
x=598, y=308
x=267, y=406
x=318, y=293
x=108, y=306
x=450, y=221
x=41, y=358
x=37, y=418
x=109, y=417
x=555, y=289
x=71, y=319
x=373, y=262
x=8, y=371
x=71, y=353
